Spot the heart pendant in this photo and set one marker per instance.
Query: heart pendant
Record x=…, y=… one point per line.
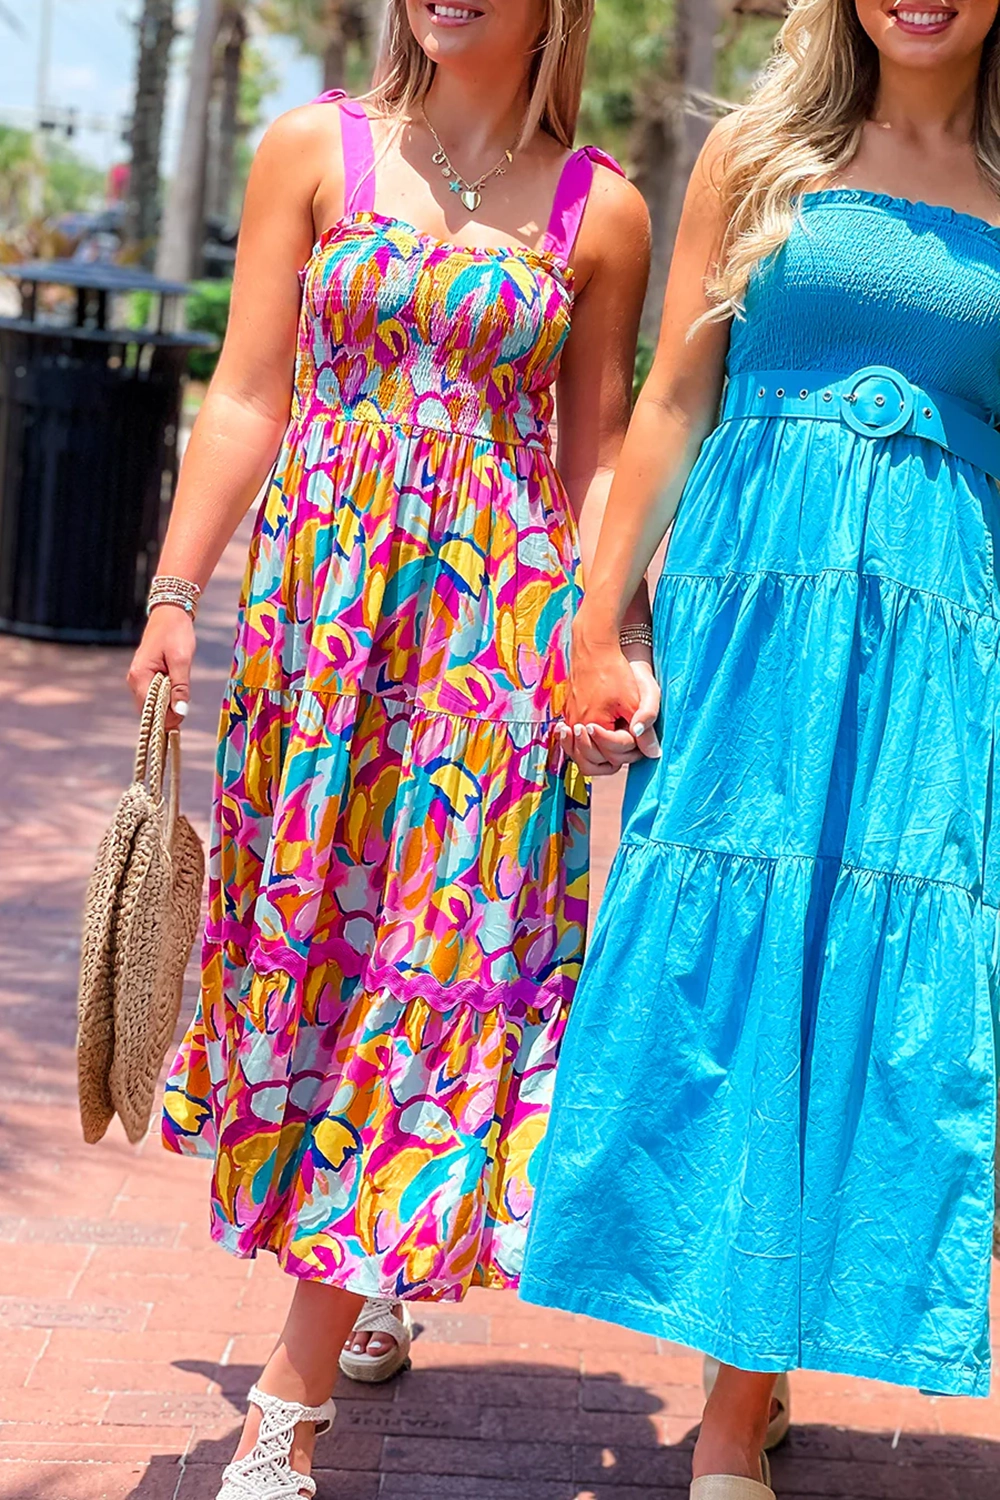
x=472, y=199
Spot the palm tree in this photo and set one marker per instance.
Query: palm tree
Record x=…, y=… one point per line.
x=676, y=106
x=344, y=22
x=673, y=117
x=696, y=32
x=327, y=29
x=225, y=120
x=181, y=231
x=156, y=33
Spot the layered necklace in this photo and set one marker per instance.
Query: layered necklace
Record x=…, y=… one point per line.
x=471, y=193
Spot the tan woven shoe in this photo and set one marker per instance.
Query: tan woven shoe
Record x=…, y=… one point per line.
x=729, y=1487
x=733, y=1487
x=379, y=1316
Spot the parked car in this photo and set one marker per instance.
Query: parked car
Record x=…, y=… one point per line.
x=91, y=236
x=99, y=237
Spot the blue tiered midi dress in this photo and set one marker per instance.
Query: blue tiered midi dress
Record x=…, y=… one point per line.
x=775, y=1117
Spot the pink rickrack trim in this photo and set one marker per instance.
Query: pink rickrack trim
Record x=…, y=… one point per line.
x=515, y=996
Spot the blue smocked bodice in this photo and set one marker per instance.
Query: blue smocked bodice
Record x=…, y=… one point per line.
x=866, y=279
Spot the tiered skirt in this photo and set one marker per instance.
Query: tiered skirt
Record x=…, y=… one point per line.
x=780, y=1077
x=398, y=879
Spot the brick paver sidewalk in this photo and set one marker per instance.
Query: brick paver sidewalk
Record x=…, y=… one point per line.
x=127, y=1341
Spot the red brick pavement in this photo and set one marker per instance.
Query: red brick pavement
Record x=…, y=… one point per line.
x=127, y=1342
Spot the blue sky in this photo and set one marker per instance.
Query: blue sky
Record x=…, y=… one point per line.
x=92, y=68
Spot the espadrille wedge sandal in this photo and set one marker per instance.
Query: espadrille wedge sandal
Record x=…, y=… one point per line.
x=379, y=1316
x=266, y=1473
x=732, y=1487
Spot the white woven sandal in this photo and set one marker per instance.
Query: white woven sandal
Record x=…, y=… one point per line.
x=778, y=1429
x=266, y=1473
x=731, y=1487
x=377, y=1316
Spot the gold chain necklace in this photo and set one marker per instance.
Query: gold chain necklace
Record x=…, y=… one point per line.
x=470, y=192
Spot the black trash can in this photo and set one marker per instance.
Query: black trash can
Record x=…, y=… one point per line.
x=89, y=419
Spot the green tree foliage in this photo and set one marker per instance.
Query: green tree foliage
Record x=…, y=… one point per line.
x=746, y=45
x=629, y=52
x=630, y=58
x=208, y=312
x=70, y=182
x=342, y=33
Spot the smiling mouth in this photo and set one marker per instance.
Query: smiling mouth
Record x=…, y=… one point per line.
x=453, y=15
x=921, y=20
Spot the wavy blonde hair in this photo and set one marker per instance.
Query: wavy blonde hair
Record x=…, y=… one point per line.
x=404, y=72
x=803, y=125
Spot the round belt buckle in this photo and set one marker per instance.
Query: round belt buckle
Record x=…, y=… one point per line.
x=878, y=401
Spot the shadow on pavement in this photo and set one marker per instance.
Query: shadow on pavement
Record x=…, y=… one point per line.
x=494, y=1431
x=531, y=1431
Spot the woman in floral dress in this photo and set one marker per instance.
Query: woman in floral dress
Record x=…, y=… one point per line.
x=399, y=867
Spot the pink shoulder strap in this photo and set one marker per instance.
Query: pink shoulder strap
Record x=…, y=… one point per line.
x=571, y=197
x=359, y=152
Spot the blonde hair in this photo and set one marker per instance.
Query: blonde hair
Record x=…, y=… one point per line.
x=404, y=72
x=803, y=125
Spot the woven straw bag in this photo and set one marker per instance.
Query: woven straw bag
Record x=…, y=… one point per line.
x=141, y=917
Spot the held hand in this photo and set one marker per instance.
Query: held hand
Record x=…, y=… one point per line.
x=647, y=712
x=603, y=752
x=597, y=751
x=167, y=645
x=613, y=705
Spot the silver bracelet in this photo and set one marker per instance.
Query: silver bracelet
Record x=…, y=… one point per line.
x=168, y=589
x=636, y=635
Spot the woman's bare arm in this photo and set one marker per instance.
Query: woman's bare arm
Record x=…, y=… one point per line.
x=238, y=431
x=673, y=415
x=595, y=379
x=595, y=382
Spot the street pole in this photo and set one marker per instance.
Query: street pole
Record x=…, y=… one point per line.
x=36, y=196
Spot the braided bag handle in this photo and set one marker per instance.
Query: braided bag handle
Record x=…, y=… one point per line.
x=155, y=746
x=151, y=749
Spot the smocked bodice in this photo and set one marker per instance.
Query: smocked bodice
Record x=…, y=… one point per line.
x=401, y=328
x=866, y=279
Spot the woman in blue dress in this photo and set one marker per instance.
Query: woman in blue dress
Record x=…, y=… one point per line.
x=775, y=1119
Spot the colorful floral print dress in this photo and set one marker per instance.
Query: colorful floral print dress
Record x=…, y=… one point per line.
x=398, y=882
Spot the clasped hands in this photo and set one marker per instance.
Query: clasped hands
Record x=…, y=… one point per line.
x=612, y=710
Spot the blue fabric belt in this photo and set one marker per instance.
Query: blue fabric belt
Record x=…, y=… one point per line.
x=876, y=402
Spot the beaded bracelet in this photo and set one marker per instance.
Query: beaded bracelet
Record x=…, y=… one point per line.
x=167, y=589
x=636, y=635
